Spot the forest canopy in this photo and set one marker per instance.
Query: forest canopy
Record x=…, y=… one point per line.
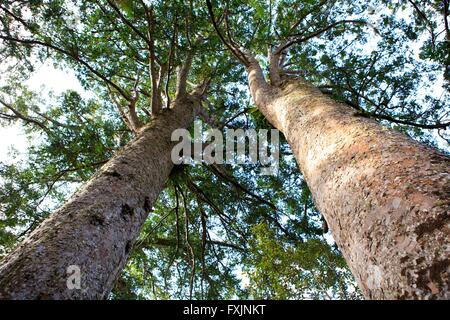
x=216, y=231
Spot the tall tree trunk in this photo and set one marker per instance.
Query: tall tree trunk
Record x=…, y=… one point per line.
x=97, y=227
x=385, y=197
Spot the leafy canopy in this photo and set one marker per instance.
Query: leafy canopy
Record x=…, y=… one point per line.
x=216, y=231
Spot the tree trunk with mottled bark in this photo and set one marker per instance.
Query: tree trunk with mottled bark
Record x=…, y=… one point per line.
x=386, y=198
x=95, y=230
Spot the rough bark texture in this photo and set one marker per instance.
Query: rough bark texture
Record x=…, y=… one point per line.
x=385, y=197
x=97, y=227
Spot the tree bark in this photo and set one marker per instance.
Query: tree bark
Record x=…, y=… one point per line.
x=95, y=230
x=386, y=198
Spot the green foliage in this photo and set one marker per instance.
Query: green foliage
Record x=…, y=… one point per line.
x=79, y=136
x=308, y=270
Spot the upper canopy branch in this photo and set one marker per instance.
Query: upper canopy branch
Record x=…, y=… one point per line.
x=230, y=43
x=128, y=23
x=298, y=38
x=183, y=70
x=303, y=16
x=72, y=56
x=375, y=115
x=15, y=17
x=156, y=102
x=423, y=16
x=20, y=115
x=131, y=118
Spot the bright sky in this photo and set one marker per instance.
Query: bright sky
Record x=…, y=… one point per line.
x=45, y=79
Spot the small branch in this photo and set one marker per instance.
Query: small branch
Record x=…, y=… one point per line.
x=409, y=123
x=274, y=67
x=169, y=65
x=156, y=103
x=203, y=218
x=23, y=117
x=241, y=56
x=131, y=119
x=204, y=198
x=234, y=117
x=183, y=71
x=426, y=20
x=295, y=39
x=188, y=243
x=363, y=113
x=76, y=58
x=127, y=22
x=172, y=243
x=121, y=110
x=302, y=18
x=238, y=186
x=135, y=122
x=57, y=123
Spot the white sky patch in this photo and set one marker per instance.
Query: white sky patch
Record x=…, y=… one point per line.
x=11, y=137
x=45, y=79
x=243, y=277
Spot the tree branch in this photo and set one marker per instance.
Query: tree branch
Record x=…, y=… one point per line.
x=234, y=50
x=70, y=55
x=361, y=112
x=128, y=23
x=156, y=103
x=183, y=71
x=296, y=38
x=24, y=117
